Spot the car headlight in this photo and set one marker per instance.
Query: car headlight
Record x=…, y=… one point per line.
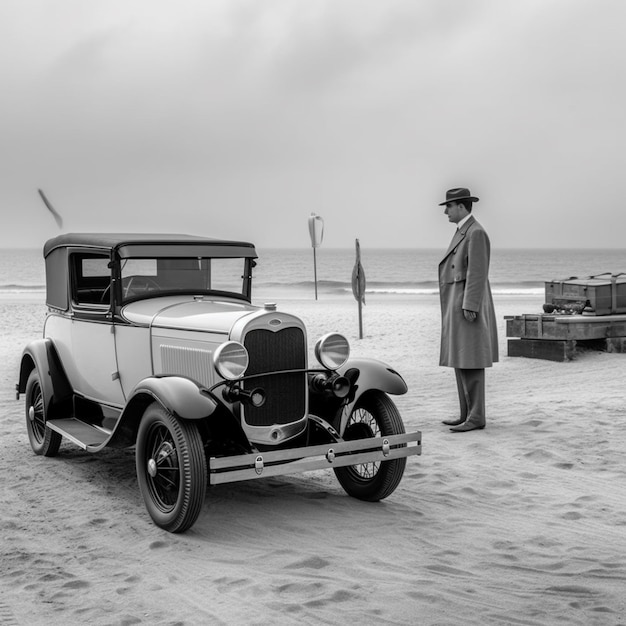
x=332, y=350
x=231, y=360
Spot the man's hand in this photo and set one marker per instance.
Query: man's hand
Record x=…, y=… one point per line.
x=470, y=316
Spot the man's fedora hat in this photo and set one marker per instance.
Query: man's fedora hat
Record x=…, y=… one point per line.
x=460, y=193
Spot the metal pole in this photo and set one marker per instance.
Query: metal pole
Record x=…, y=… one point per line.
x=315, y=271
x=360, y=319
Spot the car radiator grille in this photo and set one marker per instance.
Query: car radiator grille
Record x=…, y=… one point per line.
x=285, y=394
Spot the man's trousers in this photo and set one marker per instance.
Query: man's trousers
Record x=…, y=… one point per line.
x=471, y=387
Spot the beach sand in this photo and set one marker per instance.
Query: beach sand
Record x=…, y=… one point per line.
x=522, y=523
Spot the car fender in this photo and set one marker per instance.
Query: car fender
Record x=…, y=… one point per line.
x=57, y=391
x=179, y=395
x=372, y=375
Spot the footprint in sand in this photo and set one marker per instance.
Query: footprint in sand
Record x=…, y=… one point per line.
x=314, y=562
x=340, y=595
x=571, y=515
x=76, y=584
x=6, y=616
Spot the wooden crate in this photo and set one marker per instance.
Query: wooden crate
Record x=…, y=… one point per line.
x=562, y=337
x=552, y=350
x=603, y=295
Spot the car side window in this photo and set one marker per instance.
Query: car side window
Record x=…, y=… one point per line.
x=91, y=277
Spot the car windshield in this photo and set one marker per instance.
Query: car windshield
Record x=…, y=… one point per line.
x=149, y=277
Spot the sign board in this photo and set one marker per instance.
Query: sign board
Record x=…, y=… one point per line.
x=316, y=230
x=358, y=285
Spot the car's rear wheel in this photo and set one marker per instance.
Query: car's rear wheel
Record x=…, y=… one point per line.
x=374, y=415
x=171, y=469
x=42, y=439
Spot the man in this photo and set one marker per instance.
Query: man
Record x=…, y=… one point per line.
x=469, y=340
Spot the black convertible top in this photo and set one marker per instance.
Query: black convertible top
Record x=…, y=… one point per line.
x=115, y=241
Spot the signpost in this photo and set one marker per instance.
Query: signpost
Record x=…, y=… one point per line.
x=316, y=230
x=358, y=285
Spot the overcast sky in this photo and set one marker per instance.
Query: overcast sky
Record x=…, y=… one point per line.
x=238, y=118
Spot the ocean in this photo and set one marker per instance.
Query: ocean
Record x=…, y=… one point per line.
x=398, y=272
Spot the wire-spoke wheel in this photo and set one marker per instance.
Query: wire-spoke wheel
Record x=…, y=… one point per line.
x=171, y=469
x=42, y=439
x=374, y=415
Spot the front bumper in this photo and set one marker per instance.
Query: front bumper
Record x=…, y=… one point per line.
x=276, y=463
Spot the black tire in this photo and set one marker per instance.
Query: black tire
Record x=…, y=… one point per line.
x=171, y=469
x=374, y=415
x=42, y=439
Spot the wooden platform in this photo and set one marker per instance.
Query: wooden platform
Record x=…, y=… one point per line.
x=561, y=337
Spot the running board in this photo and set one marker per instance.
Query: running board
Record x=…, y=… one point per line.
x=230, y=469
x=80, y=433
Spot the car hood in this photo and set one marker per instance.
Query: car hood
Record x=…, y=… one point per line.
x=196, y=314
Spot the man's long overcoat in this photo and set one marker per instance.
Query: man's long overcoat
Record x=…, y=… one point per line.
x=464, y=284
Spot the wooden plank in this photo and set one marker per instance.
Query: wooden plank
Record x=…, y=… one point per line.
x=542, y=349
x=563, y=350
x=568, y=319
x=534, y=329
x=569, y=327
x=589, y=319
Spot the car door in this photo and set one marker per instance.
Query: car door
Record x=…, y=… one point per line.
x=92, y=333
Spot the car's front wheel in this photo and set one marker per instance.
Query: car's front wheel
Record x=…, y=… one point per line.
x=374, y=415
x=42, y=439
x=171, y=469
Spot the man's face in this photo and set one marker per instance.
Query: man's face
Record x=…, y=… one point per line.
x=455, y=212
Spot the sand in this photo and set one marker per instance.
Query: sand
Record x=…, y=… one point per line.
x=522, y=523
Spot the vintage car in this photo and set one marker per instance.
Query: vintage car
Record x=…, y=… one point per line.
x=152, y=341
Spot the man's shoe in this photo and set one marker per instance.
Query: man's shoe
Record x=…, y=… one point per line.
x=463, y=428
x=461, y=420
